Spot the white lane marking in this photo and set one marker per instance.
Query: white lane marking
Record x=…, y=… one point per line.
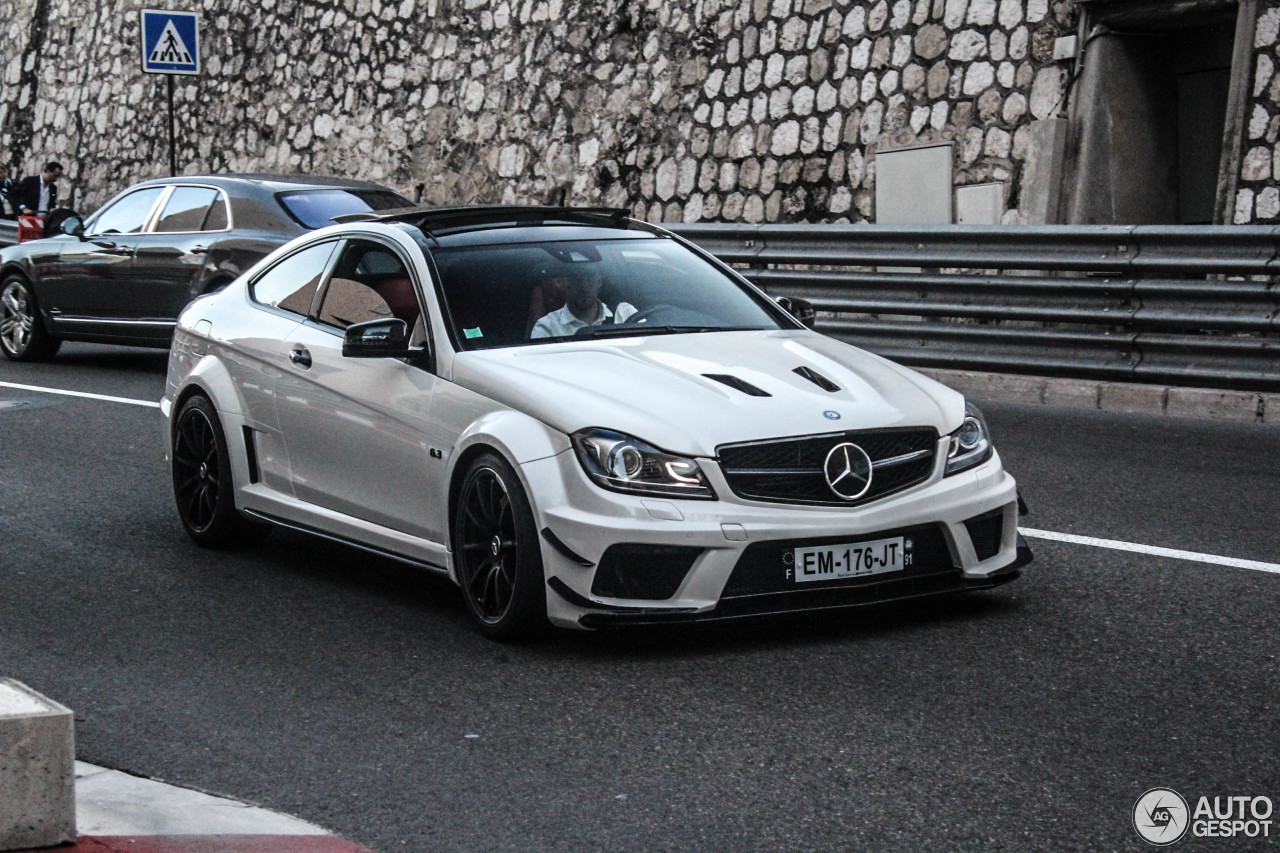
x=85, y=394
x=1116, y=545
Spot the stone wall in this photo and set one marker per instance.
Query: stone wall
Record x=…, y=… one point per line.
x=1258, y=195
x=706, y=110
x=22, y=32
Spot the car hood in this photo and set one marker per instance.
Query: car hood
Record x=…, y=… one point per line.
x=657, y=388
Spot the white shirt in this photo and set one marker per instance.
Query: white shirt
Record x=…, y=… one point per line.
x=44, y=197
x=562, y=323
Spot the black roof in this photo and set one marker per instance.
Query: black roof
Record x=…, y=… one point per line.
x=436, y=220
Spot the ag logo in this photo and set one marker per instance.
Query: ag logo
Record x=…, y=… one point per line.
x=1160, y=816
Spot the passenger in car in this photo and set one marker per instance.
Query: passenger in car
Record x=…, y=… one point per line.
x=582, y=307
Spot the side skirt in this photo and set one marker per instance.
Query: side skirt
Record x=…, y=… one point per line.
x=342, y=540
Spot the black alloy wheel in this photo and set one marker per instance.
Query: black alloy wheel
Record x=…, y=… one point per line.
x=22, y=333
x=496, y=552
x=202, y=483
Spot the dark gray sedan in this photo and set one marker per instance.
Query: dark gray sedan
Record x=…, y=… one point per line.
x=123, y=275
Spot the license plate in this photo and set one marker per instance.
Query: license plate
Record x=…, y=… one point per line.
x=855, y=560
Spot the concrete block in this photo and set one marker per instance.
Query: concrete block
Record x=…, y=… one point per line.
x=996, y=387
x=1207, y=403
x=1124, y=397
x=1271, y=408
x=1007, y=388
x=1075, y=393
x=37, y=770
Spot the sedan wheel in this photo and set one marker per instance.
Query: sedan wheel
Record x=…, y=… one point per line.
x=202, y=484
x=496, y=552
x=22, y=334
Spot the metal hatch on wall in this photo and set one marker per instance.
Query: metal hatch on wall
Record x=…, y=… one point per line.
x=1155, y=111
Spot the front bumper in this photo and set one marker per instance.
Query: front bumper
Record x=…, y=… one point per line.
x=739, y=547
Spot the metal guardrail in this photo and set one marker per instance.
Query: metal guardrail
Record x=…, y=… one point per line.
x=1177, y=305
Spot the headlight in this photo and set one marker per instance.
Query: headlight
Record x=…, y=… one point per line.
x=625, y=464
x=971, y=444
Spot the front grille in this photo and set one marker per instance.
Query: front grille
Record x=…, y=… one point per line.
x=768, y=567
x=789, y=470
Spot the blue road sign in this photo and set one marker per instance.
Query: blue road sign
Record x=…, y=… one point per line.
x=170, y=42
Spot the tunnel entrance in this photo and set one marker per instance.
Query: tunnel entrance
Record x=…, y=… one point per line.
x=1149, y=112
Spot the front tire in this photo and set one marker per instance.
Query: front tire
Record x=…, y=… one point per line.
x=22, y=333
x=496, y=553
x=202, y=484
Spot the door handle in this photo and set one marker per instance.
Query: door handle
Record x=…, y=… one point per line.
x=199, y=250
x=114, y=249
x=300, y=357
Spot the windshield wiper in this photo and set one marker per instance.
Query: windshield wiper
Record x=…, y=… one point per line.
x=623, y=331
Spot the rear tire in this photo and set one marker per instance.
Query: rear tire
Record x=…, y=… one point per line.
x=497, y=556
x=202, y=483
x=22, y=333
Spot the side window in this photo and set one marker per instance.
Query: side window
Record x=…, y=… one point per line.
x=291, y=284
x=129, y=214
x=371, y=282
x=218, y=218
x=187, y=209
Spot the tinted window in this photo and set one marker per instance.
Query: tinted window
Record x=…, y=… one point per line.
x=292, y=283
x=187, y=209
x=317, y=208
x=218, y=218
x=129, y=214
x=500, y=295
x=369, y=282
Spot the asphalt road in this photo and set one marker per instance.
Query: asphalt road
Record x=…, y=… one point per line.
x=352, y=692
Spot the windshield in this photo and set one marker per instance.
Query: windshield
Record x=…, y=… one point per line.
x=523, y=294
x=317, y=208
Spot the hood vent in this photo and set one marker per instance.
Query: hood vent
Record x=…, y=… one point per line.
x=817, y=378
x=738, y=384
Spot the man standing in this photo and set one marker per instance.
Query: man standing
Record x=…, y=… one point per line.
x=38, y=194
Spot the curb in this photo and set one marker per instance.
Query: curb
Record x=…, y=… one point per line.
x=118, y=812
x=1238, y=406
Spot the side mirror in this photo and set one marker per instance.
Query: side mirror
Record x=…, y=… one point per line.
x=376, y=339
x=801, y=309
x=64, y=220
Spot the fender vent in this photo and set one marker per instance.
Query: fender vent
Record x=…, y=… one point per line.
x=738, y=384
x=816, y=378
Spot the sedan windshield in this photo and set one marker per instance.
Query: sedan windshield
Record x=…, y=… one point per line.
x=533, y=293
x=318, y=208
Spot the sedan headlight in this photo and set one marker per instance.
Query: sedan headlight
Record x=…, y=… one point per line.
x=625, y=464
x=971, y=444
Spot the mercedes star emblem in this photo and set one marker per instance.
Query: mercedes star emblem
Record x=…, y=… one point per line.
x=848, y=471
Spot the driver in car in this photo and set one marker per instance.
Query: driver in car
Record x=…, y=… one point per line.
x=582, y=306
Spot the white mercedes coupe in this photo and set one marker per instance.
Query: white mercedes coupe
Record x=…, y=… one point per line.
x=582, y=419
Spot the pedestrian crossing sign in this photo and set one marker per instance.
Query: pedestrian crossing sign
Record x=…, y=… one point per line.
x=170, y=42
